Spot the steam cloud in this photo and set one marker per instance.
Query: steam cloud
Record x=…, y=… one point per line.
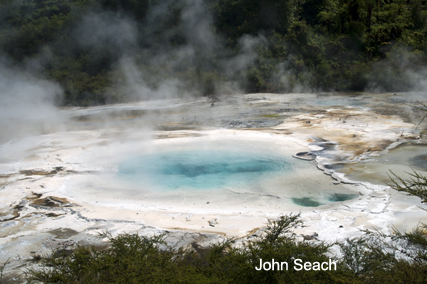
x=27, y=104
x=150, y=61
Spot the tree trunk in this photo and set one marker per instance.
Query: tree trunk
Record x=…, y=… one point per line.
x=370, y=7
x=354, y=13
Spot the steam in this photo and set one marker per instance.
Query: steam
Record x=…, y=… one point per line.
x=145, y=61
x=133, y=83
x=152, y=59
x=197, y=25
x=160, y=68
x=27, y=104
x=107, y=33
x=241, y=62
x=398, y=72
x=288, y=81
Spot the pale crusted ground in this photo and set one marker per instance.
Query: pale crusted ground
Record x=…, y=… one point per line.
x=58, y=190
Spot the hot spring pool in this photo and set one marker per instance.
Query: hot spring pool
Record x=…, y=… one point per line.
x=226, y=171
x=202, y=169
x=211, y=172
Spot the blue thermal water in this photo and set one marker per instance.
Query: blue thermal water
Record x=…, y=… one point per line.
x=313, y=202
x=201, y=169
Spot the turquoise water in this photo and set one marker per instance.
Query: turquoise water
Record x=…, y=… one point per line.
x=201, y=169
x=336, y=197
x=306, y=202
x=313, y=202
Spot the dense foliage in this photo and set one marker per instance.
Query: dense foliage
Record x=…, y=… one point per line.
x=108, y=50
x=376, y=258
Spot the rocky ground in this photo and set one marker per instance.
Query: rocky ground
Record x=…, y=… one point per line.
x=51, y=184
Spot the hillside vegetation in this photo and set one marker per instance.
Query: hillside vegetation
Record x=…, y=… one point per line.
x=103, y=51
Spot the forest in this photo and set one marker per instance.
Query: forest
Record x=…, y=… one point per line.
x=109, y=51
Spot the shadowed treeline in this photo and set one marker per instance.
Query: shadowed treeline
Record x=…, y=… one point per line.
x=106, y=51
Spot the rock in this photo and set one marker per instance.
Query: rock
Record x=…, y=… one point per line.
x=310, y=237
x=308, y=156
